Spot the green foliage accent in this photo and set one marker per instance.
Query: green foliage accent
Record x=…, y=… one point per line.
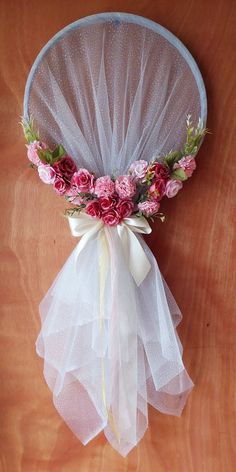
x=45, y=156
x=179, y=174
x=194, y=138
x=75, y=211
x=58, y=152
x=171, y=158
x=28, y=129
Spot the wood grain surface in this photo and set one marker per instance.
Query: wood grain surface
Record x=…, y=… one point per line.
x=194, y=248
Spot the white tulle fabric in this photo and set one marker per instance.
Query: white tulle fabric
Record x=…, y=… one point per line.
x=113, y=88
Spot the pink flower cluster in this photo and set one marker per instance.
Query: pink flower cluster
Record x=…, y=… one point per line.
x=112, y=200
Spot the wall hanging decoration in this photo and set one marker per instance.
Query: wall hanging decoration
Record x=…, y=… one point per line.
x=114, y=114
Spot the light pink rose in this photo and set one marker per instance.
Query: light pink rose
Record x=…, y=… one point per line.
x=65, y=167
x=60, y=185
x=187, y=163
x=125, y=186
x=149, y=207
x=104, y=186
x=106, y=203
x=32, y=154
x=46, y=173
x=83, y=181
x=111, y=217
x=138, y=169
x=172, y=187
x=93, y=209
x=157, y=190
x=125, y=208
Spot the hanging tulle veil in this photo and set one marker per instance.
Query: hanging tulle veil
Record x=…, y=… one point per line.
x=113, y=88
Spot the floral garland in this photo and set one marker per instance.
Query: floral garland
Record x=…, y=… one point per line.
x=113, y=198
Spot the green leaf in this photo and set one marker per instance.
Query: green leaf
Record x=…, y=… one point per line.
x=179, y=174
x=45, y=156
x=58, y=152
x=29, y=132
x=172, y=157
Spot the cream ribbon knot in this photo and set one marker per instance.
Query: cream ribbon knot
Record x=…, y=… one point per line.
x=87, y=226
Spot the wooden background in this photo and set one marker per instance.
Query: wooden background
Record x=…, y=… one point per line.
x=194, y=249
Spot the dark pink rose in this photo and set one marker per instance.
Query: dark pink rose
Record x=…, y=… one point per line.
x=106, y=203
x=93, y=209
x=157, y=189
x=83, y=181
x=161, y=171
x=125, y=208
x=65, y=167
x=60, y=185
x=111, y=217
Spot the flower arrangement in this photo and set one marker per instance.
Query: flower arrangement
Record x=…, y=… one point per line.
x=113, y=198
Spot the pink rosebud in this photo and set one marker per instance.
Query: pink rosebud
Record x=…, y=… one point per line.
x=83, y=181
x=106, y=203
x=60, y=185
x=138, y=169
x=172, y=187
x=32, y=153
x=93, y=209
x=65, y=167
x=104, y=186
x=187, y=163
x=125, y=208
x=46, y=173
x=157, y=190
x=125, y=186
x=149, y=207
x=111, y=217
x=161, y=171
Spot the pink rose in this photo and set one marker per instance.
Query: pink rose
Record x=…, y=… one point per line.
x=46, y=173
x=65, y=167
x=125, y=208
x=111, y=217
x=106, y=203
x=32, y=153
x=138, y=169
x=187, y=163
x=104, y=186
x=172, y=187
x=149, y=207
x=60, y=185
x=83, y=181
x=125, y=186
x=93, y=209
x=157, y=189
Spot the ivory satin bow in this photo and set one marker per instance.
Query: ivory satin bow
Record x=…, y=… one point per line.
x=86, y=227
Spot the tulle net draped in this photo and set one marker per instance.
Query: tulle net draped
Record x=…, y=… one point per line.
x=112, y=89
